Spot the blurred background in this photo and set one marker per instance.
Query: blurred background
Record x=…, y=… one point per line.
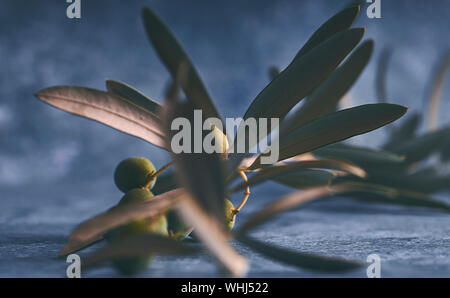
x=56, y=169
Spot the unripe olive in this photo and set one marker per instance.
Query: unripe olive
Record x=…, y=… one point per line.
x=136, y=195
x=230, y=215
x=158, y=225
x=176, y=225
x=133, y=173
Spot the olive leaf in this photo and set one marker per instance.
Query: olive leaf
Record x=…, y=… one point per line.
x=337, y=23
x=325, y=97
x=92, y=229
x=436, y=90
x=290, y=201
x=106, y=108
x=201, y=173
x=424, y=181
x=203, y=177
x=422, y=146
x=305, y=72
x=404, y=131
x=445, y=150
x=297, y=81
x=134, y=96
x=302, y=76
x=381, y=74
x=299, y=259
x=429, y=181
x=335, y=127
x=141, y=245
x=173, y=56
x=211, y=232
x=306, y=178
x=359, y=190
x=278, y=170
x=378, y=193
x=362, y=156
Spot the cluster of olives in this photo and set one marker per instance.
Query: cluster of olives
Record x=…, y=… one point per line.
x=135, y=177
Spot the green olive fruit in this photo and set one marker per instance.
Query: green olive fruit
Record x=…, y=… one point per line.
x=133, y=265
x=230, y=215
x=132, y=173
x=176, y=226
x=136, y=195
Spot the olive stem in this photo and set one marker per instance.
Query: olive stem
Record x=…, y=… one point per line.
x=180, y=233
x=246, y=192
x=153, y=175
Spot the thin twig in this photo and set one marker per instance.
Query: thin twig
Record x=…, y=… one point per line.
x=246, y=192
x=153, y=175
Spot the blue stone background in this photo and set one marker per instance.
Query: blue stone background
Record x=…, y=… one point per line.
x=56, y=169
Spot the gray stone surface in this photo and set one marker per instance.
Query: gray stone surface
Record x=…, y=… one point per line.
x=411, y=242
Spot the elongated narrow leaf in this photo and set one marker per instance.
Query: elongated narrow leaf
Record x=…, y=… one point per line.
x=300, y=259
x=425, y=181
x=363, y=191
x=325, y=97
x=291, y=201
x=390, y=195
x=201, y=173
x=335, y=127
x=141, y=245
x=339, y=22
x=134, y=96
x=445, y=149
x=106, y=108
x=436, y=90
x=90, y=230
x=398, y=191
x=173, y=56
x=211, y=232
x=362, y=156
x=303, y=75
x=382, y=74
x=278, y=170
x=306, y=178
x=297, y=81
x=423, y=146
x=428, y=181
x=404, y=132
